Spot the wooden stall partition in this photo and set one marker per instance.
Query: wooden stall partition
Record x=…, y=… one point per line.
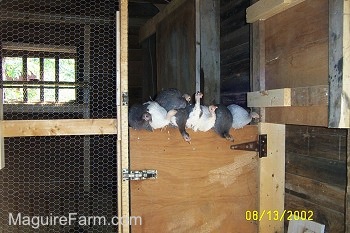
x=299, y=51
x=306, y=46
x=295, y=56
x=201, y=187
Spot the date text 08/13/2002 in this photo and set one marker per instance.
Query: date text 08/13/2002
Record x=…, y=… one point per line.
x=275, y=215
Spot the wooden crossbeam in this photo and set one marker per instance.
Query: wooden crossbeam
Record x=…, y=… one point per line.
x=298, y=96
x=265, y=9
x=25, y=128
x=150, y=27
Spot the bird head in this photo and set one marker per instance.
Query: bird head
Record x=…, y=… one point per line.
x=254, y=115
x=186, y=137
x=187, y=97
x=147, y=116
x=212, y=109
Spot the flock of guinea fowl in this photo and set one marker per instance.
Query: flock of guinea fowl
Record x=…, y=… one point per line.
x=171, y=107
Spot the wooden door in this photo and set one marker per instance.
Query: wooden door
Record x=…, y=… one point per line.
x=201, y=187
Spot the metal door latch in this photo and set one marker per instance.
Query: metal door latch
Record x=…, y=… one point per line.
x=139, y=174
x=259, y=146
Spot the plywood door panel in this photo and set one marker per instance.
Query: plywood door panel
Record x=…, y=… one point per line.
x=201, y=187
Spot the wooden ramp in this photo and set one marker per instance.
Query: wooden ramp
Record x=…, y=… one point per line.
x=201, y=187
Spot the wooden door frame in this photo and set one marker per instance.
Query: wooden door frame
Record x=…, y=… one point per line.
x=122, y=114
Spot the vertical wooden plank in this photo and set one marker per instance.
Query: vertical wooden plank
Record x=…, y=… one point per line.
x=272, y=177
x=118, y=143
x=210, y=50
x=122, y=102
x=87, y=160
x=257, y=61
x=176, y=49
x=339, y=64
x=198, y=46
x=2, y=151
x=347, y=197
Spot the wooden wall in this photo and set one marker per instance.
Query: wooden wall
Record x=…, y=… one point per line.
x=176, y=49
x=234, y=52
x=296, y=55
x=297, y=46
x=316, y=173
x=140, y=71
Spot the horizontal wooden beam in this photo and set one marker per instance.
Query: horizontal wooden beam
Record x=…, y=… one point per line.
x=298, y=96
x=298, y=115
x=51, y=18
x=150, y=1
x=39, y=47
x=269, y=98
x=265, y=9
x=150, y=27
x=24, y=128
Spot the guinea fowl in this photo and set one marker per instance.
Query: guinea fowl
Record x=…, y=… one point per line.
x=194, y=112
x=240, y=116
x=179, y=121
x=172, y=98
x=160, y=117
x=223, y=122
x=201, y=117
x=139, y=118
x=207, y=119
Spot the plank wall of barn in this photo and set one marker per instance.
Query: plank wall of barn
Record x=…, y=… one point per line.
x=234, y=52
x=142, y=80
x=316, y=173
x=315, y=156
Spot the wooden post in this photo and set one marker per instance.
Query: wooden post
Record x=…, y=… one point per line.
x=210, y=50
x=198, y=45
x=2, y=151
x=272, y=179
x=87, y=160
x=339, y=64
x=272, y=168
x=347, y=197
x=257, y=61
x=122, y=114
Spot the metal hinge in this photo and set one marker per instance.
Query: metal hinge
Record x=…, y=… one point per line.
x=125, y=98
x=259, y=146
x=139, y=175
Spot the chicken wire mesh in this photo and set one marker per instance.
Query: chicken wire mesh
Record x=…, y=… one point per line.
x=57, y=61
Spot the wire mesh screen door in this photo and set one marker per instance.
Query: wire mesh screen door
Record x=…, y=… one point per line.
x=57, y=61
